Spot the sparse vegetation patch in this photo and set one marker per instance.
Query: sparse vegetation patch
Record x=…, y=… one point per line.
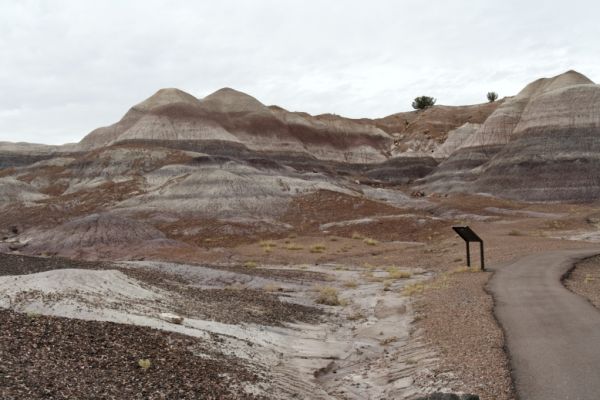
x=328, y=295
x=318, y=248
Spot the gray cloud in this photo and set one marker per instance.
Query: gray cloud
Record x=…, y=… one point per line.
x=68, y=67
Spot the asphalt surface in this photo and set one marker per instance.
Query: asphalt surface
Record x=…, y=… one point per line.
x=552, y=334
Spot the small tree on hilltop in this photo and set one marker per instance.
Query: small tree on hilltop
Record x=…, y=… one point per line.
x=492, y=96
x=423, y=102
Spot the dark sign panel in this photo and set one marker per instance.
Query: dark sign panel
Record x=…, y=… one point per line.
x=469, y=236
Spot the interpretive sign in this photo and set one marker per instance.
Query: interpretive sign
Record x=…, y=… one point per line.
x=469, y=236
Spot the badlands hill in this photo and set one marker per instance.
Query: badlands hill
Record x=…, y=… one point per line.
x=541, y=145
x=179, y=170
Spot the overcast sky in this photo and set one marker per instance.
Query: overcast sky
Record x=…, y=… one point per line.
x=67, y=67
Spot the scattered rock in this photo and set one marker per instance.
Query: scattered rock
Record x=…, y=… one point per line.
x=172, y=318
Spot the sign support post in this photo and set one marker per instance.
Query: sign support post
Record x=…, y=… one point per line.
x=469, y=236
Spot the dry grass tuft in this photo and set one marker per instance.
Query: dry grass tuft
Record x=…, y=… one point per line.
x=387, y=285
x=267, y=245
x=328, y=296
x=395, y=273
x=371, y=242
x=356, y=235
x=318, y=248
x=356, y=316
x=464, y=269
x=271, y=287
x=250, y=264
x=350, y=284
x=388, y=340
x=415, y=288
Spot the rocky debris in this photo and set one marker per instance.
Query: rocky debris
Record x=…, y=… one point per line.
x=239, y=305
x=452, y=314
x=171, y=318
x=12, y=264
x=232, y=305
x=45, y=357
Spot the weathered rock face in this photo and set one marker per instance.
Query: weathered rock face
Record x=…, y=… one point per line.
x=554, y=152
x=95, y=233
x=21, y=154
x=420, y=133
x=457, y=139
x=542, y=145
x=229, y=116
x=402, y=170
x=501, y=124
x=213, y=188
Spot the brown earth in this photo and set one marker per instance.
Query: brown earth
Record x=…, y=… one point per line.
x=584, y=280
x=45, y=357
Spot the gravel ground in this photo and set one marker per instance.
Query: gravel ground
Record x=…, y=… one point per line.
x=231, y=306
x=228, y=305
x=585, y=280
x=44, y=357
x=455, y=314
x=58, y=358
x=286, y=275
x=12, y=264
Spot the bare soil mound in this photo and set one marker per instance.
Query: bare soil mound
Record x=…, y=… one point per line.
x=97, y=233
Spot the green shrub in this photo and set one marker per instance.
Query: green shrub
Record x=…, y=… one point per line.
x=423, y=102
x=492, y=96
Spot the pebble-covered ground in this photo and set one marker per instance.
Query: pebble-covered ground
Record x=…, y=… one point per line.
x=227, y=305
x=44, y=357
x=585, y=280
x=456, y=316
x=58, y=358
x=14, y=264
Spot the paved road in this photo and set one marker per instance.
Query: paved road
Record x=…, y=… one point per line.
x=553, y=335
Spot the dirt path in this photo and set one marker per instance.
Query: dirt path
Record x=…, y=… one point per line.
x=551, y=332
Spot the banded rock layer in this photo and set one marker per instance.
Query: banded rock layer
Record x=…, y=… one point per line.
x=233, y=117
x=541, y=145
